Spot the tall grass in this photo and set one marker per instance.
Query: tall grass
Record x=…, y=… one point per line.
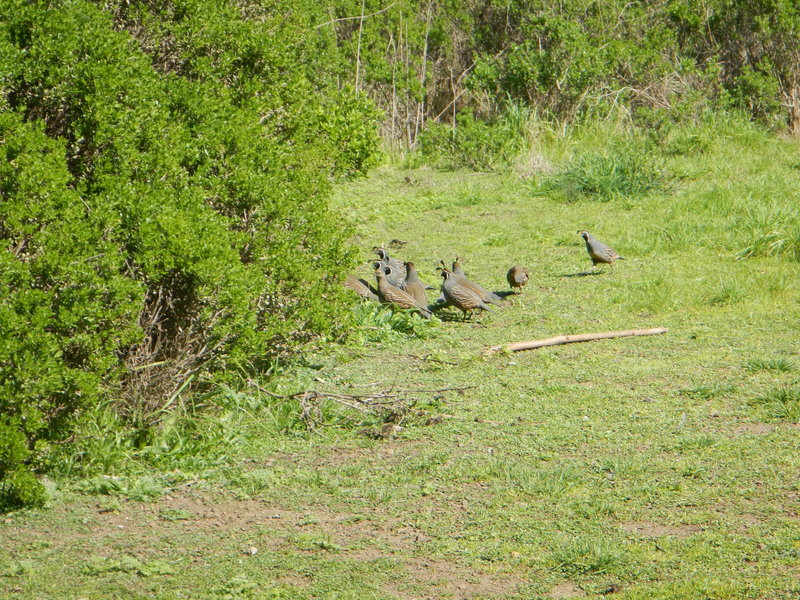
x=605, y=176
x=775, y=364
x=772, y=228
x=781, y=404
x=583, y=555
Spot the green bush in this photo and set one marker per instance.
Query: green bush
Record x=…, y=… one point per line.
x=422, y=61
x=164, y=211
x=18, y=485
x=478, y=144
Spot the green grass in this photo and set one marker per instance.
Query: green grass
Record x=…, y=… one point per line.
x=782, y=404
x=665, y=466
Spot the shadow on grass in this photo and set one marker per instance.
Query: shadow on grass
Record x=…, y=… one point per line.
x=505, y=294
x=451, y=316
x=582, y=274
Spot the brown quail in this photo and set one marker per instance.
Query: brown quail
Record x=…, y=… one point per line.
x=458, y=295
x=394, y=295
x=598, y=251
x=517, y=277
x=414, y=286
x=360, y=287
x=483, y=293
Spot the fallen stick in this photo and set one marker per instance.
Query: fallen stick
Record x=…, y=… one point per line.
x=571, y=339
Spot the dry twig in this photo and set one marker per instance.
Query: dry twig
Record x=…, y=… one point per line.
x=571, y=339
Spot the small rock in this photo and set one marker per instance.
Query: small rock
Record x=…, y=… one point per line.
x=251, y=551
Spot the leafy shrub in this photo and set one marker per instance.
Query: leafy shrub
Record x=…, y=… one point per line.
x=164, y=215
x=474, y=143
x=378, y=323
x=423, y=61
x=18, y=485
x=349, y=123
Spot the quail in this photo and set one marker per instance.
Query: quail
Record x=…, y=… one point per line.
x=394, y=277
x=458, y=295
x=483, y=293
x=399, y=267
x=414, y=286
x=360, y=287
x=517, y=277
x=598, y=251
x=394, y=295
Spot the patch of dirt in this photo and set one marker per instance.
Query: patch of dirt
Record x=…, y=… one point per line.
x=293, y=580
x=460, y=581
x=750, y=520
x=260, y=527
x=753, y=429
x=648, y=529
x=399, y=450
x=566, y=590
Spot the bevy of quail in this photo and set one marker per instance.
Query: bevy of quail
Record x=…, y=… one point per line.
x=394, y=295
x=483, y=293
x=414, y=286
x=517, y=277
x=458, y=295
x=399, y=267
x=598, y=251
x=360, y=287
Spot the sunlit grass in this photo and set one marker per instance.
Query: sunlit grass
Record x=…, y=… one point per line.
x=659, y=467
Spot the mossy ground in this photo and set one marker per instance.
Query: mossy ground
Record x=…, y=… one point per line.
x=653, y=467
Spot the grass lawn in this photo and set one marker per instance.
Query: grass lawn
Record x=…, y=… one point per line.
x=639, y=468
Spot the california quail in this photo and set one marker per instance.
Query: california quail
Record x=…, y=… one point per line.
x=484, y=294
x=392, y=277
x=517, y=277
x=399, y=267
x=394, y=295
x=598, y=251
x=391, y=274
x=360, y=287
x=458, y=295
x=414, y=286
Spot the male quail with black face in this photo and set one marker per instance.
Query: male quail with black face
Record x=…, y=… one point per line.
x=394, y=295
x=399, y=276
x=458, y=295
x=483, y=293
x=598, y=251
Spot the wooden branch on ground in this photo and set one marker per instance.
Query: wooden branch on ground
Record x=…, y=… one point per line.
x=571, y=339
